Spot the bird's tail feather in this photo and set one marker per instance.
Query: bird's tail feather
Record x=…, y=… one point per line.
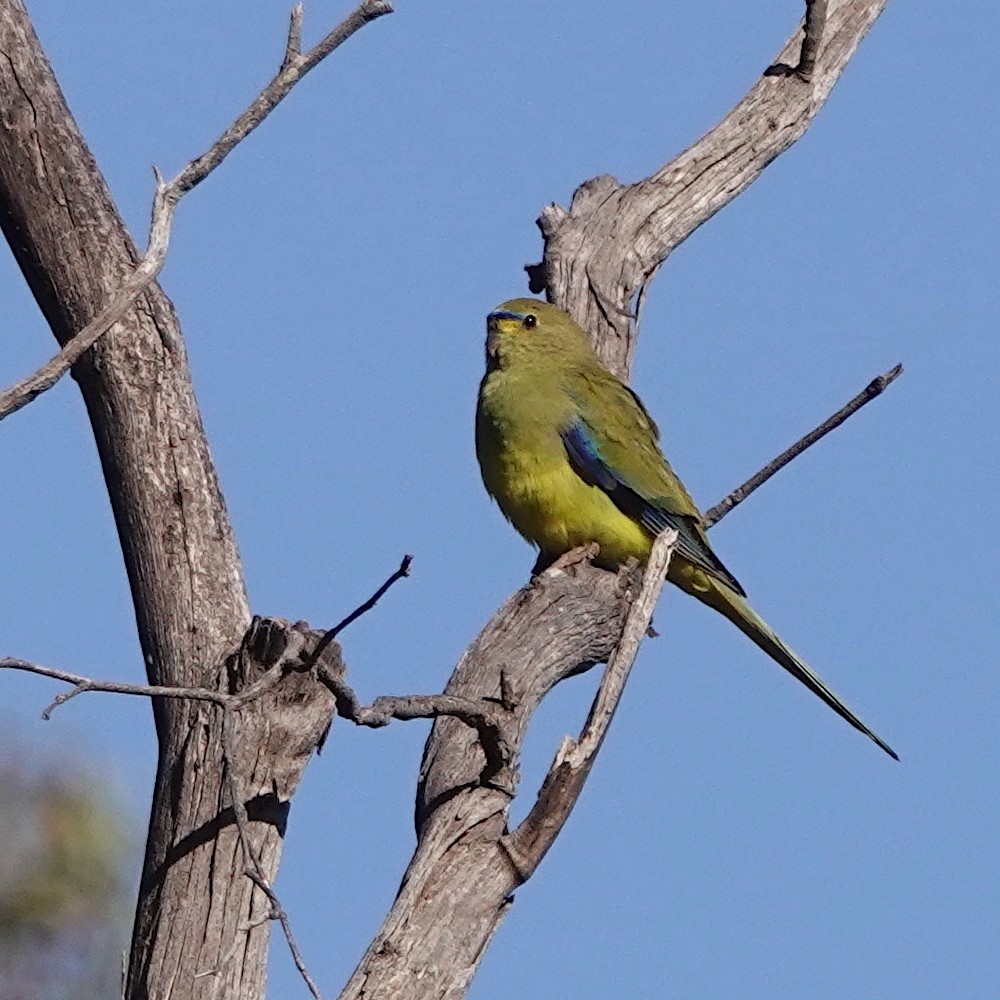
x=738, y=611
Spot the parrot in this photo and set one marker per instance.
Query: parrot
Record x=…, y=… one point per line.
x=572, y=457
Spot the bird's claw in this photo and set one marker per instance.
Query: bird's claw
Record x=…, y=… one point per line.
x=581, y=554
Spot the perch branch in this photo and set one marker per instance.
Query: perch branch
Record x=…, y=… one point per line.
x=530, y=841
x=874, y=388
x=599, y=256
x=169, y=193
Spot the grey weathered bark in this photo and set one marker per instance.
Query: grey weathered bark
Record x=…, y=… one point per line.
x=458, y=885
x=598, y=258
x=601, y=254
x=180, y=554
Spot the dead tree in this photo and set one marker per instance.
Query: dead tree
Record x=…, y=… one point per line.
x=240, y=704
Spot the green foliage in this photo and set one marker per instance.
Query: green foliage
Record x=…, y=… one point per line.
x=63, y=903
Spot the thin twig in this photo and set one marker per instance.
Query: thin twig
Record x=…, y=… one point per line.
x=168, y=194
x=331, y=634
x=527, y=844
x=874, y=388
x=278, y=913
x=250, y=859
x=292, y=70
x=813, y=35
x=248, y=925
x=23, y=392
x=479, y=715
x=293, y=47
x=82, y=684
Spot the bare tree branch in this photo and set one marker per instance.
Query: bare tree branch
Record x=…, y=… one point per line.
x=23, y=392
x=168, y=194
x=599, y=256
x=874, y=388
x=294, y=66
x=601, y=253
x=478, y=714
x=294, y=44
x=298, y=656
x=562, y=786
x=457, y=887
x=278, y=912
x=83, y=684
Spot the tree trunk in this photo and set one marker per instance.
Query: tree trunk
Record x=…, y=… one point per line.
x=180, y=554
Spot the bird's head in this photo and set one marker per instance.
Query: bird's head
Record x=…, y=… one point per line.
x=530, y=329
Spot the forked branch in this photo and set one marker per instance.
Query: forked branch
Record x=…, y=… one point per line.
x=601, y=253
x=562, y=786
x=168, y=193
x=599, y=256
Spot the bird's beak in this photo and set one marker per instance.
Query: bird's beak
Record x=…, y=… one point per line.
x=492, y=336
x=493, y=333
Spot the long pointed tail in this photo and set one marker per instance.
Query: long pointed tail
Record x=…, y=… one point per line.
x=739, y=612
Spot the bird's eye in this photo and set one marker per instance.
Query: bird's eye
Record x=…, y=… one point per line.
x=530, y=322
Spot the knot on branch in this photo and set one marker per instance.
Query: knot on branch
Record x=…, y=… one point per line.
x=282, y=710
x=593, y=193
x=299, y=661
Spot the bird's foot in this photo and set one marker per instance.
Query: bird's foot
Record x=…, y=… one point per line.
x=581, y=554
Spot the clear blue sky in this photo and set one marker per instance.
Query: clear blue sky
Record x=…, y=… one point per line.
x=736, y=839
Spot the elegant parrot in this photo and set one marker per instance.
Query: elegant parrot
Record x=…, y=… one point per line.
x=571, y=456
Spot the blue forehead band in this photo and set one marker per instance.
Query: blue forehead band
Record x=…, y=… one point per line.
x=505, y=314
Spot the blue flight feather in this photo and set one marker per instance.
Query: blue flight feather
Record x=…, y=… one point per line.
x=585, y=457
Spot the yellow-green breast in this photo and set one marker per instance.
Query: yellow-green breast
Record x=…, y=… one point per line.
x=526, y=469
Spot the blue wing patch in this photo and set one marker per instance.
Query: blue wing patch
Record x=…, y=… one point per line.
x=585, y=457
